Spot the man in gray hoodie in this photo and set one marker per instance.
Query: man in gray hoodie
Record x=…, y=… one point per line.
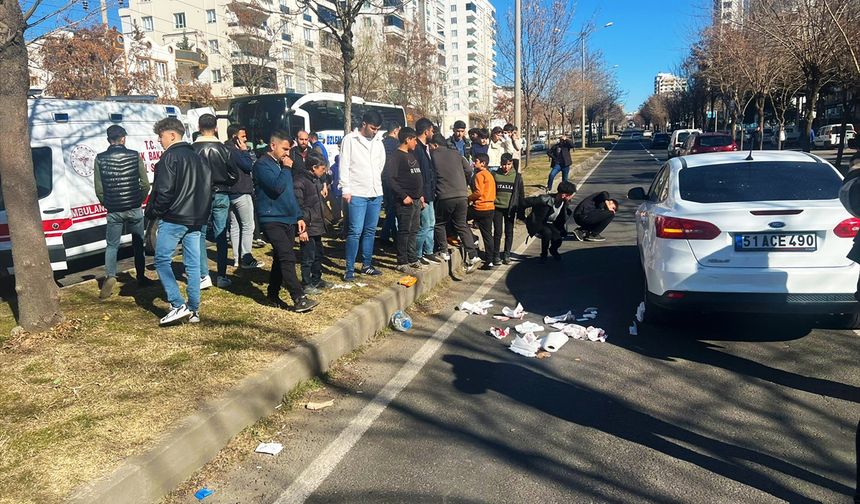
x=452, y=176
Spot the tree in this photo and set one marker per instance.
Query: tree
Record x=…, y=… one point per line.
x=38, y=295
x=84, y=64
x=252, y=60
x=369, y=75
x=412, y=70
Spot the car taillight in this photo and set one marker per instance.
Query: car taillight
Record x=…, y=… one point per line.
x=685, y=229
x=847, y=228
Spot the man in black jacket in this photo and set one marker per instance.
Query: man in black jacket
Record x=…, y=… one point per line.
x=242, y=222
x=592, y=215
x=225, y=173
x=181, y=198
x=548, y=218
x=121, y=185
x=308, y=187
x=424, y=242
x=560, y=160
x=402, y=175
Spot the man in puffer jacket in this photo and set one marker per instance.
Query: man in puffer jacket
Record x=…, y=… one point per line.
x=308, y=187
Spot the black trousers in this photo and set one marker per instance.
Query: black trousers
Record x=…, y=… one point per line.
x=408, y=222
x=595, y=221
x=484, y=220
x=550, y=238
x=312, y=256
x=283, y=238
x=506, y=218
x=452, y=212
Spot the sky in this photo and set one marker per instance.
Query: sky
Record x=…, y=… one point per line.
x=645, y=38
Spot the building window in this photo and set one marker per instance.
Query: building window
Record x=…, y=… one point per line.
x=213, y=46
x=288, y=81
x=147, y=23
x=456, y=82
x=453, y=20
x=161, y=69
x=453, y=33
x=455, y=59
x=307, y=17
x=210, y=16
x=455, y=45
x=368, y=23
x=216, y=75
x=179, y=20
x=453, y=8
x=308, y=35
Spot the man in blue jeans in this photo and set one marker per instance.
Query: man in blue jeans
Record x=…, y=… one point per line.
x=560, y=160
x=121, y=185
x=241, y=199
x=224, y=173
x=362, y=158
x=424, y=241
x=181, y=199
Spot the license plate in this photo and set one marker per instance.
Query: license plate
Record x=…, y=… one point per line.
x=783, y=242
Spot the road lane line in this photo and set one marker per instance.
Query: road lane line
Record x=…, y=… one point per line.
x=316, y=473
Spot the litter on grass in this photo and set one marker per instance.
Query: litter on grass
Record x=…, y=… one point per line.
x=319, y=405
x=514, y=313
x=269, y=448
x=553, y=341
x=348, y=286
x=479, y=308
x=528, y=327
x=203, y=493
x=640, y=312
x=499, y=333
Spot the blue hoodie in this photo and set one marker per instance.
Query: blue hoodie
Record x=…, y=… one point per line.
x=276, y=197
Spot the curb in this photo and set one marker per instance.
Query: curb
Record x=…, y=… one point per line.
x=198, y=438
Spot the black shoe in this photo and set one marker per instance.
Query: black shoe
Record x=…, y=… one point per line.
x=594, y=238
x=497, y=260
x=370, y=271
x=322, y=284
x=578, y=234
x=433, y=258
x=424, y=261
x=144, y=282
x=277, y=302
x=305, y=304
x=506, y=259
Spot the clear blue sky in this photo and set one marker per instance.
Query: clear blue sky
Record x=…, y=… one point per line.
x=647, y=36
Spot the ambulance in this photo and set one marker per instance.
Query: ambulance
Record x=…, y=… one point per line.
x=65, y=137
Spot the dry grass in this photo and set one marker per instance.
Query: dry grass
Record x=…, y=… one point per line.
x=103, y=386
x=536, y=173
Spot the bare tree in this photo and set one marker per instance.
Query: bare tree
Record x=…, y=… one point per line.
x=252, y=58
x=38, y=295
x=412, y=71
x=369, y=69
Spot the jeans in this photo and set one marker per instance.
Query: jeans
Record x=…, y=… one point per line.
x=363, y=218
x=594, y=222
x=116, y=222
x=312, y=256
x=503, y=217
x=389, y=226
x=242, y=226
x=169, y=236
x=452, y=211
x=484, y=220
x=424, y=239
x=283, y=238
x=565, y=171
x=408, y=222
x=220, y=209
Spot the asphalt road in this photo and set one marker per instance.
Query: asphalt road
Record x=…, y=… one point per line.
x=715, y=409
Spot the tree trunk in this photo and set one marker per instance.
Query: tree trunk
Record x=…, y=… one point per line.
x=845, y=114
x=348, y=53
x=528, y=138
x=813, y=87
x=759, y=105
x=38, y=295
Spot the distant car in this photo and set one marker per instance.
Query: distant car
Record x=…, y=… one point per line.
x=677, y=140
x=792, y=133
x=660, y=141
x=538, y=146
x=724, y=233
x=828, y=136
x=700, y=143
x=647, y=134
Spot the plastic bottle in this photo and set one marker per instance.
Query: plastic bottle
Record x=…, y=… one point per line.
x=400, y=321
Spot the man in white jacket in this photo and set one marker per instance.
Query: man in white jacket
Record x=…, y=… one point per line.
x=499, y=144
x=362, y=158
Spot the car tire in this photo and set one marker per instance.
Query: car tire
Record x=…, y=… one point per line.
x=843, y=321
x=655, y=315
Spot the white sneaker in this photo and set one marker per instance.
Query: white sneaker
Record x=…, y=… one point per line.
x=205, y=282
x=176, y=315
x=235, y=263
x=222, y=282
x=445, y=256
x=473, y=261
x=195, y=318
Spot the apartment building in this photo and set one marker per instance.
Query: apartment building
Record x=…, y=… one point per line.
x=470, y=34
x=730, y=11
x=668, y=83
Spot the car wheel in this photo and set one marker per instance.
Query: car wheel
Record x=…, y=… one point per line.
x=843, y=321
x=654, y=315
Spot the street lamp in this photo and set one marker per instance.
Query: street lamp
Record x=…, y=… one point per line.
x=582, y=36
x=518, y=79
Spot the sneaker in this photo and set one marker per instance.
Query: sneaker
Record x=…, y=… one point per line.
x=277, y=302
x=310, y=290
x=322, y=284
x=194, y=318
x=594, y=238
x=434, y=258
x=425, y=261
x=349, y=277
x=107, y=288
x=506, y=259
x=252, y=264
x=370, y=271
x=578, y=234
x=223, y=282
x=473, y=261
x=445, y=256
x=259, y=243
x=487, y=266
x=235, y=263
x=405, y=268
x=205, y=282
x=175, y=315
x=305, y=304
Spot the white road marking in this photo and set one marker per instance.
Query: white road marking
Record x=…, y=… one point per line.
x=316, y=473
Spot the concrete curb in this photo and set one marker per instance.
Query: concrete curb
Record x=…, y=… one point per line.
x=197, y=439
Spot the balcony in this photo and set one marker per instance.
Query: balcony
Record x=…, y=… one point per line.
x=393, y=23
x=286, y=37
x=195, y=60
x=252, y=44
x=247, y=13
x=471, y=7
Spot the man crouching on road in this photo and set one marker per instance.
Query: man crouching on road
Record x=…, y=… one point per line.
x=593, y=215
x=182, y=199
x=548, y=218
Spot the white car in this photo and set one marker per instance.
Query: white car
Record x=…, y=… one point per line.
x=721, y=233
x=828, y=136
x=679, y=136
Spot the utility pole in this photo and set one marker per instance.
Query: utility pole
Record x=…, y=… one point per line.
x=582, y=83
x=104, y=10
x=518, y=64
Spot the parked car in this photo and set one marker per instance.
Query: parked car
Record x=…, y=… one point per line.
x=660, y=141
x=828, y=136
x=538, y=146
x=677, y=139
x=647, y=134
x=792, y=133
x=700, y=143
x=724, y=233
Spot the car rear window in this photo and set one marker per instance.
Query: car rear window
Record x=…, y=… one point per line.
x=682, y=137
x=715, y=141
x=759, y=181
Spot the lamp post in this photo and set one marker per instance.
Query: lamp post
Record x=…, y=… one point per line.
x=518, y=71
x=582, y=36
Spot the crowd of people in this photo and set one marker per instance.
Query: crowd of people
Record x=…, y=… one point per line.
x=429, y=187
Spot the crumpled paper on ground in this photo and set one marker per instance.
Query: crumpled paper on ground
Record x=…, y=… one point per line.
x=528, y=327
x=633, y=330
x=526, y=345
x=567, y=317
x=499, y=333
x=479, y=308
x=514, y=313
x=596, y=334
x=348, y=286
x=640, y=312
x=269, y=448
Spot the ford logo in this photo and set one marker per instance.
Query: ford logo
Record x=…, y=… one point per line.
x=776, y=225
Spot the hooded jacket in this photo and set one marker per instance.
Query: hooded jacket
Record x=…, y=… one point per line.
x=307, y=188
x=452, y=173
x=542, y=206
x=182, y=189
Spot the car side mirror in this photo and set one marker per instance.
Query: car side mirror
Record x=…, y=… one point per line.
x=637, y=194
